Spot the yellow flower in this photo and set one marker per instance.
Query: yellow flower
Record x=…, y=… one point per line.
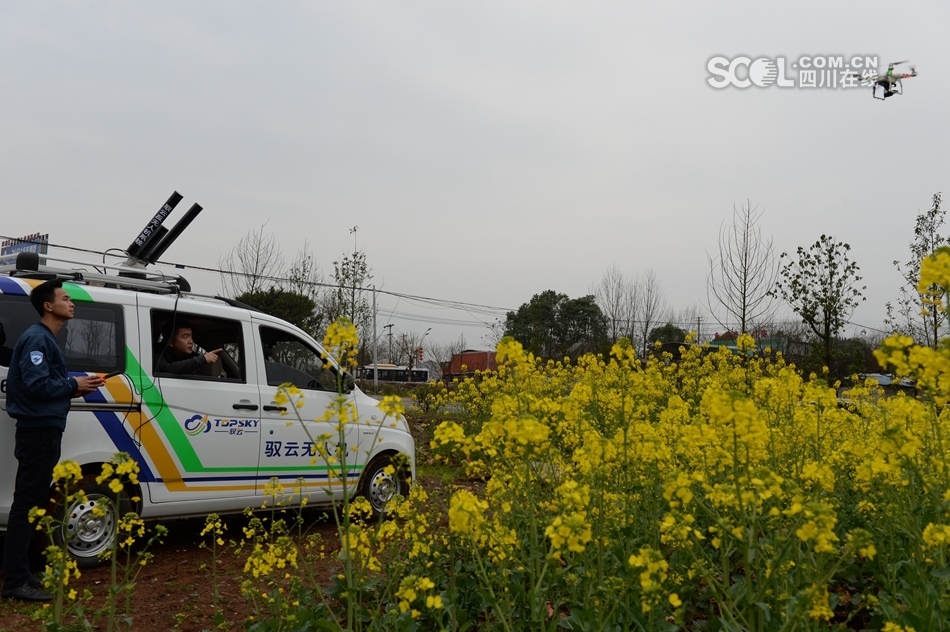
x=571, y=530
x=67, y=472
x=936, y=535
x=107, y=471
x=935, y=271
x=807, y=531
x=341, y=342
x=466, y=512
x=893, y=627
x=392, y=406
x=819, y=604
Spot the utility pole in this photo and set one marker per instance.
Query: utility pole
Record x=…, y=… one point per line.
x=375, y=347
x=422, y=344
x=390, y=328
x=699, y=320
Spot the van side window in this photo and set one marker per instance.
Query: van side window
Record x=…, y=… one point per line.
x=92, y=341
x=206, y=334
x=288, y=359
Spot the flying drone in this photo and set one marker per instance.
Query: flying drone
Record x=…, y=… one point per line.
x=890, y=82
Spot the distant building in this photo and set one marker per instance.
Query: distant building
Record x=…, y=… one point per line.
x=762, y=342
x=463, y=365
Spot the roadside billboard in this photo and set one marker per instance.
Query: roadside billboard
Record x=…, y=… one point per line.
x=10, y=248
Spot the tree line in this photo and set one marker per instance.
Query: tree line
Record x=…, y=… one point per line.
x=747, y=281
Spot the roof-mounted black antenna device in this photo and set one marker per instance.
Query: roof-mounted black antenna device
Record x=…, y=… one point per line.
x=155, y=239
x=153, y=231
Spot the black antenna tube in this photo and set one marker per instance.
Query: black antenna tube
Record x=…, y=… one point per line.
x=153, y=241
x=148, y=233
x=160, y=247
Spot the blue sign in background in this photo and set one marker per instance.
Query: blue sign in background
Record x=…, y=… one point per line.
x=38, y=245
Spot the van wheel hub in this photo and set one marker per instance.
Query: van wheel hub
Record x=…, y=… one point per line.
x=381, y=490
x=91, y=526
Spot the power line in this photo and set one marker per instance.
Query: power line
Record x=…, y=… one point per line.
x=435, y=302
x=425, y=301
x=440, y=321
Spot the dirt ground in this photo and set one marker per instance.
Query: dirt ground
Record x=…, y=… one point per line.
x=173, y=592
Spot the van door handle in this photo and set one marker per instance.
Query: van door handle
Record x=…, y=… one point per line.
x=244, y=406
x=275, y=408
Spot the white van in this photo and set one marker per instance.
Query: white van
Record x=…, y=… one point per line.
x=204, y=443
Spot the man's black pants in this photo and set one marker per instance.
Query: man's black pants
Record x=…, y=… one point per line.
x=37, y=453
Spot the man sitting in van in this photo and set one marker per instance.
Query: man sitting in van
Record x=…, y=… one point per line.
x=177, y=353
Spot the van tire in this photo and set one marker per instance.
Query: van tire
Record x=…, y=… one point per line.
x=84, y=534
x=379, y=488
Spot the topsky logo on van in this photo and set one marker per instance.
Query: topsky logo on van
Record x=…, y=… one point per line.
x=196, y=425
x=200, y=424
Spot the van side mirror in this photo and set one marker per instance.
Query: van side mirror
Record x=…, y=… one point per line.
x=348, y=383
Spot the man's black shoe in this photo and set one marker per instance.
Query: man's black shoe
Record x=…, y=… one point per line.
x=34, y=581
x=27, y=593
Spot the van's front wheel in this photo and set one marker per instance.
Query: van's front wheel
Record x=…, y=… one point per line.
x=88, y=525
x=383, y=479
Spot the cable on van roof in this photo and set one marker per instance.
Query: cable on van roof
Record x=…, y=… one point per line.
x=27, y=267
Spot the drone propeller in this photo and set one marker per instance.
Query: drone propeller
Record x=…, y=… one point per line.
x=908, y=75
x=891, y=65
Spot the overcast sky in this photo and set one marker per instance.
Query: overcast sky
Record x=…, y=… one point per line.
x=488, y=151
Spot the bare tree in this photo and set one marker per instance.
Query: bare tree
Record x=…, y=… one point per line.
x=744, y=271
x=439, y=354
x=689, y=318
x=304, y=277
x=407, y=349
x=651, y=308
x=616, y=296
x=252, y=264
x=632, y=306
x=496, y=331
x=351, y=277
x=794, y=338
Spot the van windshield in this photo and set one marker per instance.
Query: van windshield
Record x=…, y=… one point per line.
x=290, y=360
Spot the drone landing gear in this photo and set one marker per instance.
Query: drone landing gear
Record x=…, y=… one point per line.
x=889, y=91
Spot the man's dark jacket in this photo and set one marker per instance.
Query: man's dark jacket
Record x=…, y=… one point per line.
x=171, y=361
x=38, y=386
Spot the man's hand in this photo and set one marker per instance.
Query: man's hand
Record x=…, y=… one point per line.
x=88, y=384
x=212, y=356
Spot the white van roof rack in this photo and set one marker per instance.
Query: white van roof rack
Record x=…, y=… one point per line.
x=126, y=277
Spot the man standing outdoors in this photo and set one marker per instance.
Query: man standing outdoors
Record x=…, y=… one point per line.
x=38, y=393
